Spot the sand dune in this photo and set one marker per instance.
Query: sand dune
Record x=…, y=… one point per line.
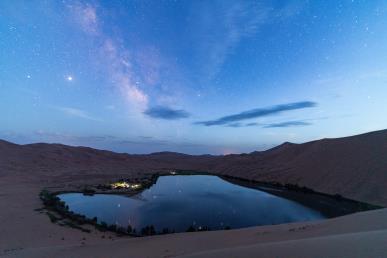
x=355, y=167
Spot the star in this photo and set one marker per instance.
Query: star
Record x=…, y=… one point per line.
x=69, y=78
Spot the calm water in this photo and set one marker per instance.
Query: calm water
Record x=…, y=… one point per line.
x=177, y=202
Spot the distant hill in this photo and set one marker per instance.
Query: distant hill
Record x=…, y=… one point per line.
x=355, y=166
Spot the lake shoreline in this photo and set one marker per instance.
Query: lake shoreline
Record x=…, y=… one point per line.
x=337, y=205
x=27, y=231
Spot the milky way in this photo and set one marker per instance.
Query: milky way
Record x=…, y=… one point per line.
x=191, y=76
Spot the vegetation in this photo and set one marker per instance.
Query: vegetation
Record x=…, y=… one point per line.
x=148, y=231
x=165, y=231
x=73, y=225
x=200, y=228
x=88, y=191
x=53, y=203
x=191, y=229
x=356, y=205
x=121, y=231
x=52, y=217
x=112, y=227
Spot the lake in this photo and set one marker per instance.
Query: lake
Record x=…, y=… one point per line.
x=198, y=202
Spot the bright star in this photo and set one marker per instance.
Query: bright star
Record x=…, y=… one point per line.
x=69, y=78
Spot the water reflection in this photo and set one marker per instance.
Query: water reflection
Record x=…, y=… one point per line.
x=178, y=203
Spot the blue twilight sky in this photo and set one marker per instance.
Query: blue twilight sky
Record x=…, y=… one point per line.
x=191, y=76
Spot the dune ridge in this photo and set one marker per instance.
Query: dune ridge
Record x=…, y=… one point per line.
x=354, y=167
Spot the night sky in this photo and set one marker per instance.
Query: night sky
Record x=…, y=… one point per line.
x=196, y=77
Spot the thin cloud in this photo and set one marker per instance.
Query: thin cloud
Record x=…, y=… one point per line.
x=227, y=23
x=166, y=113
x=238, y=125
x=75, y=112
x=258, y=112
x=234, y=125
x=251, y=124
x=146, y=137
x=287, y=124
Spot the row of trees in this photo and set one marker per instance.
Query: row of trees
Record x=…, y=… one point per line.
x=53, y=202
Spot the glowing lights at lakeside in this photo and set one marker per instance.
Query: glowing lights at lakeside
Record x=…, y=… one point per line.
x=123, y=184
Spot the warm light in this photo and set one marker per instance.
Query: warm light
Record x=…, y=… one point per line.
x=120, y=185
x=135, y=186
x=125, y=185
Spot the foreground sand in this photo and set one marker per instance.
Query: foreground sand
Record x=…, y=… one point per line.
x=338, y=238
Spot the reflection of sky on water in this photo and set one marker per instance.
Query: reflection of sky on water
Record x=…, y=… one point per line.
x=176, y=202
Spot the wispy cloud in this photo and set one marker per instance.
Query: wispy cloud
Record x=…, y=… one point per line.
x=235, y=125
x=138, y=144
x=75, y=112
x=227, y=23
x=161, y=112
x=251, y=124
x=238, y=125
x=271, y=125
x=287, y=124
x=258, y=112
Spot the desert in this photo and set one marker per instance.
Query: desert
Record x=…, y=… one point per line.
x=183, y=128
x=27, y=169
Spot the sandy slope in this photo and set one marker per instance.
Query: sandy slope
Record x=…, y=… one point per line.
x=364, y=244
x=354, y=166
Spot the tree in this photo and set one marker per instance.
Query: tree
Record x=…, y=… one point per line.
x=191, y=229
x=129, y=229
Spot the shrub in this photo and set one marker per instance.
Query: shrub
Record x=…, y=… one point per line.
x=52, y=217
x=165, y=231
x=148, y=231
x=122, y=230
x=87, y=191
x=191, y=229
x=204, y=228
x=48, y=198
x=112, y=227
x=338, y=197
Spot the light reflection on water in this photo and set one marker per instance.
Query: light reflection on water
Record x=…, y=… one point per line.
x=177, y=202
